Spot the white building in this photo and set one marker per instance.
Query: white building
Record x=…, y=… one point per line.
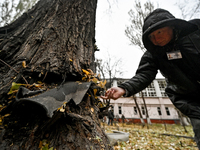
x=159, y=106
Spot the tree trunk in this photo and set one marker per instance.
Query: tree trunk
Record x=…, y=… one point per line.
x=181, y=119
x=50, y=43
x=147, y=113
x=141, y=118
x=55, y=38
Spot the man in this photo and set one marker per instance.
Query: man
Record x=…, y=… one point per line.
x=123, y=118
x=110, y=117
x=173, y=47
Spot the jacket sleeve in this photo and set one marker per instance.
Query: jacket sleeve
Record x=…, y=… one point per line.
x=145, y=74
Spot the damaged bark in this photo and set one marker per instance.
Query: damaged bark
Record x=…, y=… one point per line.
x=76, y=127
x=45, y=48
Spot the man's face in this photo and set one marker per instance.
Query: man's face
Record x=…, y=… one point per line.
x=162, y=36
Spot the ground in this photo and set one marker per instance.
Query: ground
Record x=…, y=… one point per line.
x=156, y=137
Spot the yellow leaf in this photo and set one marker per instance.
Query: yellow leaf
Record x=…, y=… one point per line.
x=104, y=83
x=24, y=64
x=40, y=145
x=6, y=115
x=95, y=80
x=37, y=85
x=14, y=87
x=62, y=110
x=39, y=82
x=84, y=78
x=86, y=72
x=95, y=92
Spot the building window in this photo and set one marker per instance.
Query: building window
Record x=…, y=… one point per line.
x=149, y=91
x=162, y=85
x=159, y=111
x=167, y=111
x=120, y=109
x=144, y=92
x=143, y=110
x=135, y=110
x=112, y=108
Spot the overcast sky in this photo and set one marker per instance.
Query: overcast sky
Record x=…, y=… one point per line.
x=110, y=32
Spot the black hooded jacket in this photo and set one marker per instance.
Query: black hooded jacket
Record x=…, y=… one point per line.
x=182, y=75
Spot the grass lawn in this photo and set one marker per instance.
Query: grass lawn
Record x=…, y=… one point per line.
x=154, y=138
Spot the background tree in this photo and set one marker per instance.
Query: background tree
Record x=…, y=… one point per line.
x=139, y=111
x=137, y=16
x=134, y=32
x=109, y=67
x=189, y=8
x=12, y=9
x=147, y=113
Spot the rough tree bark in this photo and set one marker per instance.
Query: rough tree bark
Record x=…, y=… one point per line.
x=51, y=43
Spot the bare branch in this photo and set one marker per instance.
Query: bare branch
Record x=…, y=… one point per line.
x=137, y=16
x=110, y=66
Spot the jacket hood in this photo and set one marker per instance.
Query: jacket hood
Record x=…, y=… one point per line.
x=161, y=18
